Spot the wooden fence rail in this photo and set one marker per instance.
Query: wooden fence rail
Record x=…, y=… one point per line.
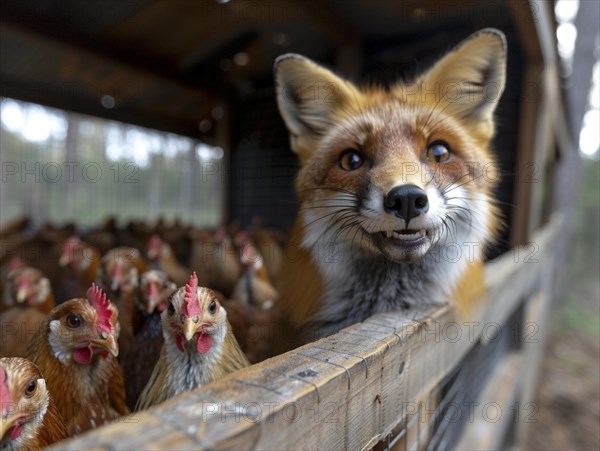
x=347, y=391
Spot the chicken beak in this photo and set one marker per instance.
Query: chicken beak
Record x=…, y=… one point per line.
x=109, y=344
x=8, y=422
x=190, y=328
x=21, y=295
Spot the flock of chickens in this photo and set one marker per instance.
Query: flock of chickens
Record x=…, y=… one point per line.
x=95, y=325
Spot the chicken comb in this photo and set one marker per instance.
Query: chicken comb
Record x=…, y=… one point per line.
x=70, y=245
x=191, y=307
x=101, y=304
x=250, y=255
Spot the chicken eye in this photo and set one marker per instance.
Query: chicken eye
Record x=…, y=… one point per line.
x=438, y=152
x=351, y=160
x=31, y=387
x=171, y=308
x=212, y=308
x=73, y=321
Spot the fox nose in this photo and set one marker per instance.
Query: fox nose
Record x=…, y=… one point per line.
x=406, y=202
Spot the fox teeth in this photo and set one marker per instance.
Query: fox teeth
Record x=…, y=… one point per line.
x=408, y=237
x=403, y=236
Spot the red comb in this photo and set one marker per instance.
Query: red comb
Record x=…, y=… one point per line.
x=102, y=306
x=250, y=254
x=191, y=307
x=70, y=245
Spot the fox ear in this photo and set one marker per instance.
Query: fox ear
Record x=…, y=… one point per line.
x=310, y=99
x=470, y=79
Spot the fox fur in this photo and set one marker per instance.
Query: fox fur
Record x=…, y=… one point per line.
x=350, y=255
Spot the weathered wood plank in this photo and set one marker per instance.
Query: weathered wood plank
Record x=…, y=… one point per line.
x=493, y=414
x=345, y=391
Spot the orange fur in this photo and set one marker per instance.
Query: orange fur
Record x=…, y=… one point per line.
x=392, y=130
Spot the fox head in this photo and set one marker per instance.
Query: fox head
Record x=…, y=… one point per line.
x=395, y=171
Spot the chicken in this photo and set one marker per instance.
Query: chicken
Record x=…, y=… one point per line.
x=30, y=420
x=28, y=298
x=254, y=287
x=227, y=266
x=120, y=268
x=160, y=251
x=76, y=349
x=35, y=250
x=251, y=307
x=80, y=262
x=199, y=345
x=142, y=353
x=269, y=248
x=118, y=275
x=6, y=271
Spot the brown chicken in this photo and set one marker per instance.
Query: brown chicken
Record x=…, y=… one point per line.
x=160, y=251
x=30, y=420
x=28, y=286
x=251, y=309
x=269, y=247
x=118, y=276
x=226, y=261
x=254, y=287
x=27, y=299
x=120, y=268
x=142, y=353
x=7, y=270
x=80, y=262
x=199, y=345
x=76, y=349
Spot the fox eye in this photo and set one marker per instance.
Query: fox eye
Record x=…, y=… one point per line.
x=351, y=160
x=30, y=389
x=171, y=308
x=438, y=152
x=212, y=308
x=73, y=321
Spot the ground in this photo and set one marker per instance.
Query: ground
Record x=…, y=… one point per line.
x=568, y=400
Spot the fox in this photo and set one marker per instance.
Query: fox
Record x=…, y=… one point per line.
x=396, y=205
